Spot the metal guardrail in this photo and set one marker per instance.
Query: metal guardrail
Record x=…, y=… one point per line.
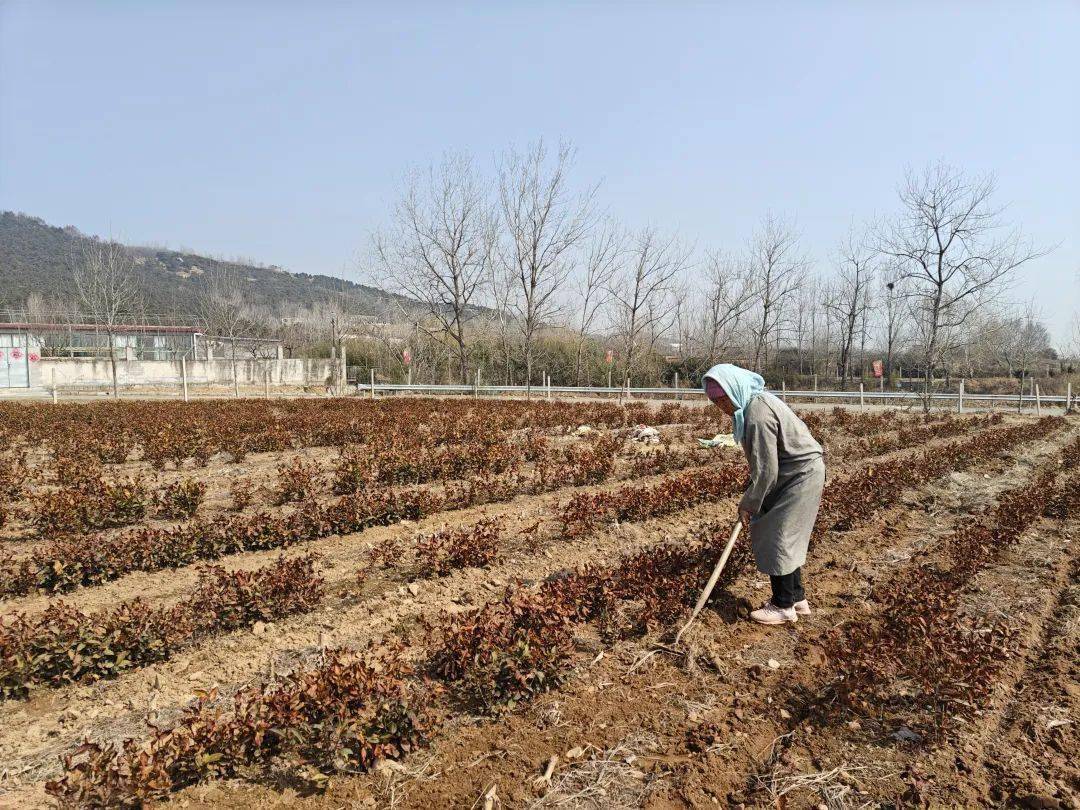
x=958, y=400
x=543, y=391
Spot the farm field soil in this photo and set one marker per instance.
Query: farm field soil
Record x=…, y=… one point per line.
x=343, y=557
x=631, y=726
x=718, y=726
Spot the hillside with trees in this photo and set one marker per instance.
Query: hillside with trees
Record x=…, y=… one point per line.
x=38, y=259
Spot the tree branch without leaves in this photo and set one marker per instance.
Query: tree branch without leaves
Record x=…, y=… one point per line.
x=640, y=291
x=946, y=245
x=108, y=289
x=439, y=246
x=543, y=224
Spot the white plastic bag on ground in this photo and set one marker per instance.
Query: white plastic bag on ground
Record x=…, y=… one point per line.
x=719, y=440
x=646, y=435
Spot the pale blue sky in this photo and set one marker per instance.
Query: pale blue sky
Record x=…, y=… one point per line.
x=280, y=131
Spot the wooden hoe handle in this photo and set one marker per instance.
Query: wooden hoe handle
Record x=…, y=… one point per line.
x=705, y=594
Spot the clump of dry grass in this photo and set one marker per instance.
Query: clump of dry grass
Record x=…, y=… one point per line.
x=834, y=787
x=608, y=778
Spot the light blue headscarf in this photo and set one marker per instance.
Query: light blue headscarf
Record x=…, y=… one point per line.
x=740, y=385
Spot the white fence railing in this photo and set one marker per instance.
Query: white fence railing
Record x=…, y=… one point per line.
x=268, y=385
x=863, y=397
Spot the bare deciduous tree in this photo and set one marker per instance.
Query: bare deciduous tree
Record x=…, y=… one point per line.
x=42, y=309
x=1074, y=324
x=1019, y=340
x=639, y=292
x=600, y=264
x=222, y=306
x=730, y=290
x=804, y=323
x=48, y=310
x=501, y=288
x=340, y=314
x=849, y=300
x=107, y=288
x=686, y=317
x=947, y=248
x=543, y=223
x=295, y=327
x=439, y=246
x=893, y=315
x=778, y=269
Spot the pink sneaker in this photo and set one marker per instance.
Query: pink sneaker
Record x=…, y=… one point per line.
x=769, y=613
x=802, y=608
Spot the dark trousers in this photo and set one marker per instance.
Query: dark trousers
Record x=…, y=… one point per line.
x=788, y=589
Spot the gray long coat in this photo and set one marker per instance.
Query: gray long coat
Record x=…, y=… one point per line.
x=787, y=475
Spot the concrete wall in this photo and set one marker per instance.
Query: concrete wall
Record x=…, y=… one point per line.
x=98, y=372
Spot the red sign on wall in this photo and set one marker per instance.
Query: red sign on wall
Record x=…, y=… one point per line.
x=16, y=354
x=33, y=357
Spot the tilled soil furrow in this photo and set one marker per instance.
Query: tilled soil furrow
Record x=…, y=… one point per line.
x=1024, y=752
x=243, y=656
x=888, y=763
x=744, y=646
x=41, y=726
x=168, y=585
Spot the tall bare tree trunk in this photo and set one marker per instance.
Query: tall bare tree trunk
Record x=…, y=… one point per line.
x=945, y=244
x=112, y=364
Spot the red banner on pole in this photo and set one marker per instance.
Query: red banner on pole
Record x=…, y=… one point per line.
x=609, y=358
x=406, y=356
x=877, y=368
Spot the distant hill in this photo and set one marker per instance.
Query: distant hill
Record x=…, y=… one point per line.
x=34, y=257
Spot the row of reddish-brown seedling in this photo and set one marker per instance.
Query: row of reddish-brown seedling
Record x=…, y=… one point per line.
x=162, y=432
x=918, y=635
x=495, y=655
x=93, y=503
x=440, y=552
x=340, y=716
x=586, y=511
x=69, y=562
x=909, y=436
x=63, y=645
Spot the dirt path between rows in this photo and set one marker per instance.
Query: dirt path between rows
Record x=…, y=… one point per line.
x=38, y=731
x=167, y=586
x=650, y=710
x=1024, y=751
